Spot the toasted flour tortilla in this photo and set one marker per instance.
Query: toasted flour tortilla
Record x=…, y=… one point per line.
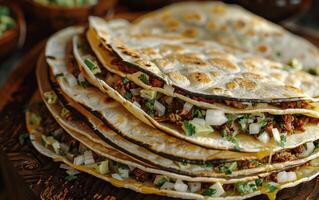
x=247, y=142
x=303, y=174
x=110, y=62
x=82, y=95
x=201, y=68
x=231, y=25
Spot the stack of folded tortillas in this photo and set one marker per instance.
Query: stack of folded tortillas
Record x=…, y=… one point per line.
x=193, y=101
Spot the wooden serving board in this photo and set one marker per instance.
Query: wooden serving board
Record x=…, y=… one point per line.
x=43, y=178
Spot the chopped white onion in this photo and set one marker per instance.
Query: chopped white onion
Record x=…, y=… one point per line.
x=199, y=121
x=308, y=149
x=160, y=108
x=254, y=128
x=57, y=132
x=79, y=160
x=276, y=134
x=219, y=189
x=72, y=172
x=194, y=186
x=137, y=104
x=167, y=186
x=180, y=186
x=117, y=176
x=283, y=177
x=124, y=173
x=81, y=78
x=64, y=166
x=135, y=91
x=215, y=117
x=71, y=80
x=187, y=107
x=168, y=88
x=56, y=146
x=264, y=137
x=88, y=158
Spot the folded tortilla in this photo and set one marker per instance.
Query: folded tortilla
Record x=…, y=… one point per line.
x=107, y=82
x=122, y=171
x=88, y=100
x=231, y=25
x=201, y=68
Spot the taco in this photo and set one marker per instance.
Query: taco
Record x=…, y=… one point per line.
x=62, y=145
x=232, y=25
x=88, y=102
x=187, y=119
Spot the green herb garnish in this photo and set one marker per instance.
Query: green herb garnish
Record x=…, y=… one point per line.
x=228, y=168
x=246, y=188
x=190, y=129
x=71, y=178
x=95, y=69
x=271, y=187
x=150, y=106
x=128, y=95
x=59, y=75
x=283, y=139
x=144, y=78
x=259, y=182
x=209, y=192
x=198, y=113
x=23, y=137
x=35, y=119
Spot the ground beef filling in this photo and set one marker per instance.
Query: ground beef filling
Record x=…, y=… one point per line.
x=175, y=113
x=155, y=82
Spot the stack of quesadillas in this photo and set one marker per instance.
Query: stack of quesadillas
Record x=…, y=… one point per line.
x=192, y=101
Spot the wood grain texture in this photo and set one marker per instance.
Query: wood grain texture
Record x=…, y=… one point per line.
x=44, y=176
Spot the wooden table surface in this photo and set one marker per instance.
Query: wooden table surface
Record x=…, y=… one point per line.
x=26, y=174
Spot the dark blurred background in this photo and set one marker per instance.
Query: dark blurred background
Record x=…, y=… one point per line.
x=38, y=22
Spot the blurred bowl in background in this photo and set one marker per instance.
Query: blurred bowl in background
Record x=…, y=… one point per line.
x=275, y=10
x=58, y=17
x=14, y=37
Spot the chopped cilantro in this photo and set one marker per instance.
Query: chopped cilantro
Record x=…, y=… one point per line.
x=231, y=138
x=198, y=113
x=228, y=168
x=209, y=192
x=208, y=165
x=144, y=78
x=92, y=66
x=246, y=188
x=83, y=84
x=262, y=123
x=259, y=182
x=271, y=187
x=230, y=118
x=150, y=106
x=283, y=139
x=190, y=129
x=59, y=75
x=23, y=137
x=71, y=178
x=244, y=121
x=128, y=95
x=35, y=119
